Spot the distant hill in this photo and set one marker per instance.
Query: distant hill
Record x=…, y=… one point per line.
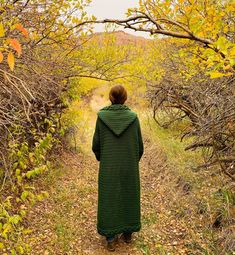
x=124, y=38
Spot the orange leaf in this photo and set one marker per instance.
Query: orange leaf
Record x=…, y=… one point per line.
x=16, y=45
x=22, y=30
x=1, y=57
x=11, y=60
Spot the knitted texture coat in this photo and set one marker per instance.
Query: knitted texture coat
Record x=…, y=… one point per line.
x=117, y=144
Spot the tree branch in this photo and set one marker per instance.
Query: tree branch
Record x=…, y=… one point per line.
x=144, y=18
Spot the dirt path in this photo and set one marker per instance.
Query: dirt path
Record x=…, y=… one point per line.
x=65, y=223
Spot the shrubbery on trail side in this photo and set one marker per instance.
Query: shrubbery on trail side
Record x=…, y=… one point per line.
x=35, y=53
x=206, y=108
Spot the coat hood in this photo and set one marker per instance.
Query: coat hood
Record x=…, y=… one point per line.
x=117, y=117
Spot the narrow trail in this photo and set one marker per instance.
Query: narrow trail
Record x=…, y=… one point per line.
x=65, y=223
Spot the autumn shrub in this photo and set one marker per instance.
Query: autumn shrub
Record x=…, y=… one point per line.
x=208, y=107
x=201, y=109
x=35, y=57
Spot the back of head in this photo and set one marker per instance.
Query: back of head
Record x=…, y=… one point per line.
x=118, y=94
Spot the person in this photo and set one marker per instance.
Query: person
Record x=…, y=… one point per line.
x=118, y=146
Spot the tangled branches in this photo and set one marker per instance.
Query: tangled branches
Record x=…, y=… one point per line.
x=209, y=106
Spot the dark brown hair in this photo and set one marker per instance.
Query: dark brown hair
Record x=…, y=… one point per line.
x=118, y=94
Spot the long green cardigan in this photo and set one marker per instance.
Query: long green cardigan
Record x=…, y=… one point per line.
x=117, y=144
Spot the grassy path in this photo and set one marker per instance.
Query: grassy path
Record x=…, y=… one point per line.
x=65, y=223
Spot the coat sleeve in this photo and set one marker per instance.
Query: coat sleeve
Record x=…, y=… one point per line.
x=141, y=145
x=96, y=141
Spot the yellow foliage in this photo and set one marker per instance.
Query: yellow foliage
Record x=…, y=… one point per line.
x=11, y=60
x=2, y=30
x=1, y=57
x=200, y=19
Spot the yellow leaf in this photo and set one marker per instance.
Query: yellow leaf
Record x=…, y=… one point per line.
x=1, y=57
x=2, y=31
x=216, y=74
x=232, y=51
x=11, y=60
x=16, y=45
x=228, y=74
x=227, y=67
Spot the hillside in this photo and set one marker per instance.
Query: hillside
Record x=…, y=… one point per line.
x=124, y=38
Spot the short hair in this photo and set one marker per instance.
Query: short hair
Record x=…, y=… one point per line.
x=118, y=94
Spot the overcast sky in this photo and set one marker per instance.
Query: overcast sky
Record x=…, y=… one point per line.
x=112, y=9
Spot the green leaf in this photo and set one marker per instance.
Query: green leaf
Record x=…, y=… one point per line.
x=24, y=195
x=1, y=246
x=17, y=171
x=13, y=252
x=20, y=249
x=15, y=219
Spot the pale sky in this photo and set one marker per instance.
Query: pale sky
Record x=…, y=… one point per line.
x=112, y=9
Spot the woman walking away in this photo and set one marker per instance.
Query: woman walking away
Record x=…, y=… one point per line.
x=117, y=144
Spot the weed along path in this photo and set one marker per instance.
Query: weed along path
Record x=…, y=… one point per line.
x=65, y=223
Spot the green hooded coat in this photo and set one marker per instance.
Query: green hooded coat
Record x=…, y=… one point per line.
x=117, y=144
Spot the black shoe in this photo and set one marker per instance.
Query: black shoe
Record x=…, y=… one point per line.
x=126, y=237
x=111, y=244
